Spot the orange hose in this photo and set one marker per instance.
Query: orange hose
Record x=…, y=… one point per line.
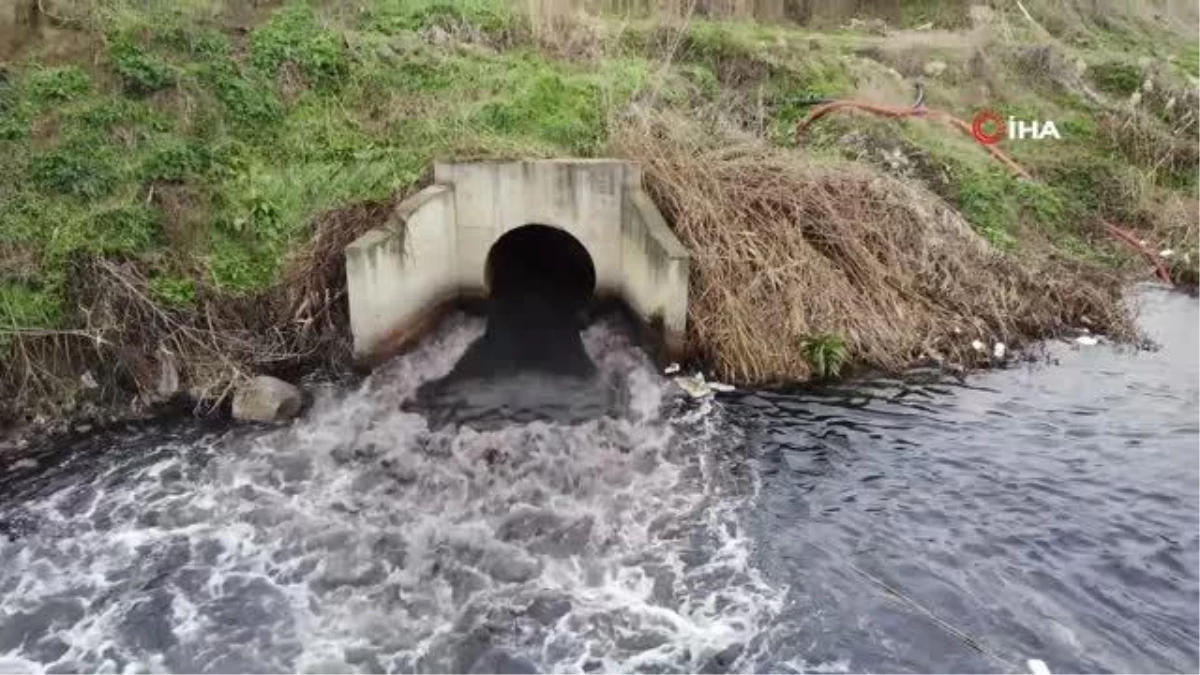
x=900, y=112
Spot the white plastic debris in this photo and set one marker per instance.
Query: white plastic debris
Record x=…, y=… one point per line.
x=1086, y=340
x=999, y=350
x=720, y=386
x=1166, y=253
x=1037, y=667
x=978, y=345
x=694, y=385
x=671, y=369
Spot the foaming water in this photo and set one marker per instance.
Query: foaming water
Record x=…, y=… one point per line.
x=886, y=526
x=360, y=539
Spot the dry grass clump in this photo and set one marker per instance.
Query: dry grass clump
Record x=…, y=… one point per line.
x=785, y=248
x=126, y=342
x=1147, y=144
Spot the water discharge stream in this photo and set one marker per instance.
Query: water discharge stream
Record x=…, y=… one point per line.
x=1047, y=512
x=361, y=539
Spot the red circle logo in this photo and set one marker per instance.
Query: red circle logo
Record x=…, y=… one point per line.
x=988, y=127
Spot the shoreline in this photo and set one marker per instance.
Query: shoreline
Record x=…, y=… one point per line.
x=185, y=183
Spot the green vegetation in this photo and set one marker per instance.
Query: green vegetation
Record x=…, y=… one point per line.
x=199, y=143
x=303, y=115
x=1116, y=77
x=825, y=353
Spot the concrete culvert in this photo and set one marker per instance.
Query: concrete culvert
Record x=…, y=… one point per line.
x=540, y=259
x=539, y=279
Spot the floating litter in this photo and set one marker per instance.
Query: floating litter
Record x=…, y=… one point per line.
x=999, y=350
x=671, y=369
x=695, y=386
x=1086, y=340
x=1037, y=667
x=978, y=345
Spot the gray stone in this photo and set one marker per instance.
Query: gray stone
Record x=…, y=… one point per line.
x=168, y=376
x=266, y=399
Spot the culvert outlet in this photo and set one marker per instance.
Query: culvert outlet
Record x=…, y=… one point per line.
x=579, y=228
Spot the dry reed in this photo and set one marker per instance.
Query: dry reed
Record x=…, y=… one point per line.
x=785, y=248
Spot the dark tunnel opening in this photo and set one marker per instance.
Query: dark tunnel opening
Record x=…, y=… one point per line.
x=530, y=363
x=540, y=259
x=540, y=280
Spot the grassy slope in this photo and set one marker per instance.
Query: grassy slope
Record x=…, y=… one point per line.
x=201, y=145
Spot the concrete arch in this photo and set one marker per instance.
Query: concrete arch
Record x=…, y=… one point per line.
x=435, y=249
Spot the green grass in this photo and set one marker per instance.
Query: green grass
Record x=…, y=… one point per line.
x=273, y=127
x=310, y=105
x=1116, y=77
x=1189, y=61
x=940, y=13
x=825, y=353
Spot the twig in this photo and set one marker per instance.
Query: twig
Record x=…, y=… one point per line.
x=54, y=18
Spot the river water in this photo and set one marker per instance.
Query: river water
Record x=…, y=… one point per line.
x=1045, y=512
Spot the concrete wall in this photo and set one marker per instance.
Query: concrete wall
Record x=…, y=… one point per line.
x=435, y=248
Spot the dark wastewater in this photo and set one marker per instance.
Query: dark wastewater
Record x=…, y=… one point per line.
x=1044, y=512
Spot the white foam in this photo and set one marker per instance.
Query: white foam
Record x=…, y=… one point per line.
x=359, y=539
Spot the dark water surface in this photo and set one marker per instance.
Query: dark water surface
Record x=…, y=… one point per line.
x=1047, y=512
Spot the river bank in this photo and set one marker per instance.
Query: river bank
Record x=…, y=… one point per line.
x=186, y=178
x=883, y=525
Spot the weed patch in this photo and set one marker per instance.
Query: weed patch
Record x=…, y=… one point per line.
x=141, y=72
x=76, y=169
x=1116, y=77
x=56, y=85
x=294, y=36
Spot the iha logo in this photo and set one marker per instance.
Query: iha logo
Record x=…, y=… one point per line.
x=989, y=127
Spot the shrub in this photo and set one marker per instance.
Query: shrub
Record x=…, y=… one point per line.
x=54, y=85
x=78, y=170
x=141, y=73
x=1116, y=77
x=293, y=36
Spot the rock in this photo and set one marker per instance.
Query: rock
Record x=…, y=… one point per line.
x=935, y=68
x=88, y=381
x=168, y=376
x=266, y=399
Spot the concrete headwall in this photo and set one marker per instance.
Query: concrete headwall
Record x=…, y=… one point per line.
x=435, y=247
